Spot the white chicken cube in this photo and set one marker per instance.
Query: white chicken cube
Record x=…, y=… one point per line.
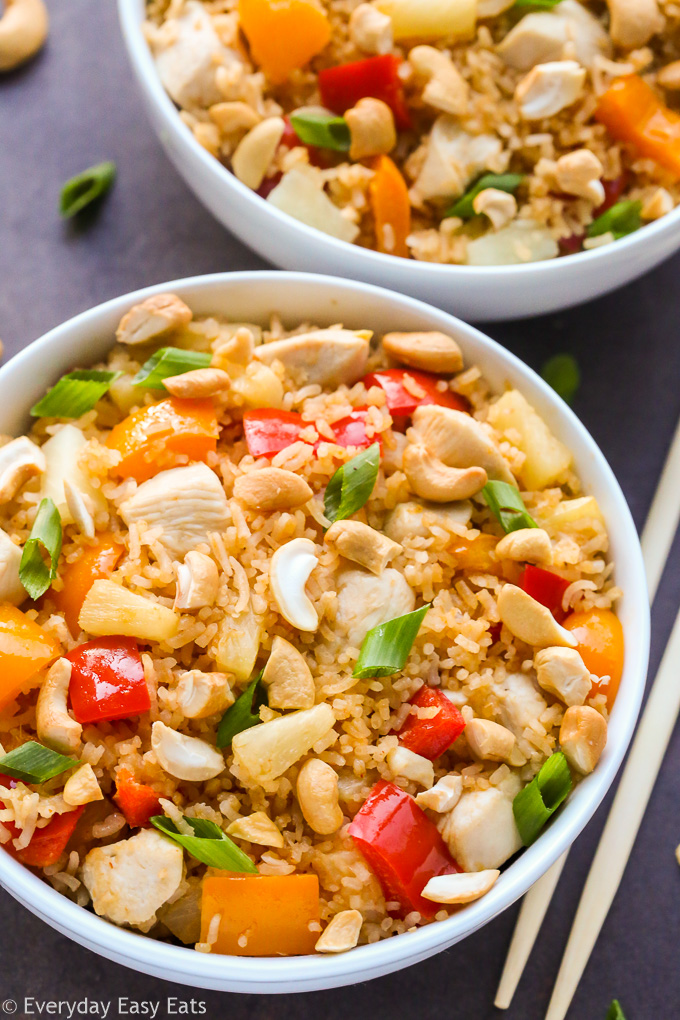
x=416, y=519
x=365, y=600
x=520, y=704
x=453, y=158
x=188, y=51
x=480, y=831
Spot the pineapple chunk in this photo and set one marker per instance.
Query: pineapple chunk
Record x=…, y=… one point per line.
x=546, y=457
x=414, y=19
x=61, y=454
x=238, y=642
x=259, y=386
x=571, y=511
x=111, y=609
x=264, y=752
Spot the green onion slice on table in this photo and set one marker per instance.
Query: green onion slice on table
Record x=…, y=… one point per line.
x=35, y=574
x=533, y=806
x=615, y=1012
x=386, y=648
x=85, y=188
x=621, y=219
x=507, y=506
x=166, y=362
x=563, y=374
x=323, y=130
x=464, y=207
x=208, y=844
x=244, y=713
x=352, y=484
x=75, y=394
x=33, y=763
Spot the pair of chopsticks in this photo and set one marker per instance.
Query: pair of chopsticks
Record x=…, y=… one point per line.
x=637, y=781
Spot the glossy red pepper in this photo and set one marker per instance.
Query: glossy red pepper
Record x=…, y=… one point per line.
x=378, y=77
x=351, y=431
x=400, y=401
x=268, y=430
x=107, y=680
x=46, y=845
x=546, y=587
x=136, y=800
x=431, y=737
x=402, y=846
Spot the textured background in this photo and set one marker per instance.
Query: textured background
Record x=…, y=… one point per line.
x=77, y=105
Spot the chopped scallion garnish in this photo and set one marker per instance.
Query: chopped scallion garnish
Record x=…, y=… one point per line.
x=386, y=648
x=208, y=844
x=502, y=182
x=323, y=130
x=507, y=506
x=352, y=484
x=539, y=5
x=621, y=219
x=615, y=1012
x=166, y=362
x=540, y=798
x=563, y=374
x=244, y=713
x=33, y=763
x=35, y=574
x=85, y=188
x=74, y=394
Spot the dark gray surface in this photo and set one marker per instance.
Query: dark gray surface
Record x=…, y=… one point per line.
x=77, y=105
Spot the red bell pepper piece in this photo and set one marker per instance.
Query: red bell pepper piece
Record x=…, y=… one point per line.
x=546, y=587
x=107, y=680
x=431, y=737
x=136, y=800
x=400, y=401
x=48, y=844
x=351, y=431
x=378, y=77
x=402, y=846
x=268, y=430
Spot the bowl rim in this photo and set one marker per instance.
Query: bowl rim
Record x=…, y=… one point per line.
x=140, y=56
x=311, y=972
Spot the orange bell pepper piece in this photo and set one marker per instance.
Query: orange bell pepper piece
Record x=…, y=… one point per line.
x=48, y=844
x=150, y=439
x=391, y=206
x=25, y=648
x=600, y=644
x=262, y=915
x=476, y=553
x=632, y=112
x=283, y=34
x=136, y=800
x=96, y=562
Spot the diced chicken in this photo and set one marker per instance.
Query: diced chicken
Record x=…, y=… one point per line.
x=11, y=588
x=567, y=32
x=130, y=880
x=187, y=502
x=521, y=241
x=152, y=318
x=587, y=37
x=325, y=357
x=634, y=22
x=188, y=51
x=365, y=600
x=481, y=830
x=549, y=88
x=454, y=157
x=416, y=519
x=520, y=704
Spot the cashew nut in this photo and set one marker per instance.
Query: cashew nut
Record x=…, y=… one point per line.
x=19, y=460
x=341, y=933
x=443, y=796
x=403, y=762
x=151, y=318
x=257, y=828
x=202, y=694
x=461, y=888
x=23, y=31
x=362, y=544
x=583, y=736
x=317, y=794
x=255, y=152
x=526, y=545
x=234, y=116
x=185, y=757
x=446, y=88
x=371, y=128
x=549, y=88
x=632, y=23
x=197, y=581
x=370, y=30
x=668, y=77
x=579, y=173
x=489, y=740
x=660, y=203
x=198, y=384
x=234, y=354
x=54, y=725
x=460, y=441
x=431, y=479
x=562, y=672
x=290, y=568
x=288, y=677
x=529, y=621
x=272, y=488
x=432, y=352
x=82, y=787
x=77, y=503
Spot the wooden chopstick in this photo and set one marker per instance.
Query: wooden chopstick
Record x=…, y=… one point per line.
x=657, y=538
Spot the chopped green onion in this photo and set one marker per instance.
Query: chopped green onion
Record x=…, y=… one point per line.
x=534, y=805
x=623, y=218
x=507, y=506
x=244, y=713
x=503, y=182
x=166, y=362
x=208, y=844
x=34, y=573
x=74, y=394
x=386, y=648
x=85, y=188
x=33, y=763
x=615, y=1012
x=323, y=130
x=352, y=484
x=539, y=5
x=563, y=374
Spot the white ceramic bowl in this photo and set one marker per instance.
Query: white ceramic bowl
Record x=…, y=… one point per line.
x=326, y=300
x=473, y=293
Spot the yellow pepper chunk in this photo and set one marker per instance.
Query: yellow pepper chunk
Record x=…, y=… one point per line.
x=283, y=35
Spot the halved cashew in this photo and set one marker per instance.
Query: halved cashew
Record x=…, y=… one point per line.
x=432, y=352
x=443, y=796
x=234, y=116
x=489, y=740
x=77, y=503
x=362, y=544
x=526, y=545
x=371, y=128
x=431, y=479
x=370, y=30
x=153, y=317
x=202, y=694
x=291, y=566
x=255, y=152
x=288, y=677
x=342, y=932
x=668, y=77
x=583, y=736
x=462, y=888
x=446, y=88
x=460, y=441
x=317, y=794
x=234, y=354
x=499, y=206
x=19, y=460
x=197, y=581
x=185, y=757
x=54, y=725
x=198, y=384
x=272, y=488
x=562, y=672
x=549, y=88
x=529, y=621
x=256, y=828
x=82, y=787
x=660, y=203
x=403, y=762
x=23, y=31
x=579, y=173
x=632, y=23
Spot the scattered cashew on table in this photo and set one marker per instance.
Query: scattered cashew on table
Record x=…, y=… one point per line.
x=23, y=31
